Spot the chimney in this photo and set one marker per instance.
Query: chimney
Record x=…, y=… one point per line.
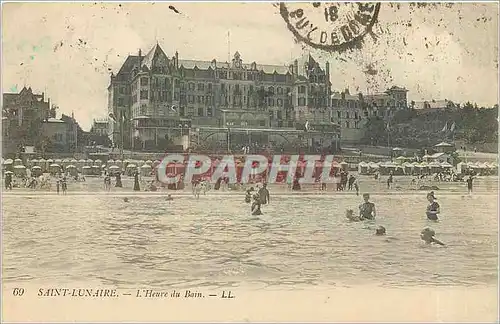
x=140, y=59
x=295, y=67
x=176, y=59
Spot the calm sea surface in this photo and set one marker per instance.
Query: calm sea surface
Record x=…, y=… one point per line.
x=214, y=241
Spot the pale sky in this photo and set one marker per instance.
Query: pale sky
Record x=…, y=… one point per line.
x=69, y=49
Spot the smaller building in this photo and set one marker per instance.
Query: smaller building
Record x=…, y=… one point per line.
x=55, y=137
x=433, y=105
x=98, y=134
x=440, y=157
x=445, y=147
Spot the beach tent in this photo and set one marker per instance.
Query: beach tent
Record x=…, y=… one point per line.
x=8, y=161
x=408, y=167
x=73, y=161
x=71, y=169
x=58, y=161
x=98, y=162
x=400, y=159
x=65, y=162
x=145, y=170
x=89, y=162
x=33, y=162
x=49, y=161
x=435, y=166
x=344, y=165
x=373, y=165
x=20, y=170
x=18, y=162
x=362, y=167
x=157, y=162
x=36, y=171
x=110, y=162
x=461, y=167
x=86, y=170
x=54, y=167
x=446, y=165
x=148, y=162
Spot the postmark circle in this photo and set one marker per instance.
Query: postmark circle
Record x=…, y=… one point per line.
x=330, y=26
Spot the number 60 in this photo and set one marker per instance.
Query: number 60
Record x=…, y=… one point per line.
x=18, y=291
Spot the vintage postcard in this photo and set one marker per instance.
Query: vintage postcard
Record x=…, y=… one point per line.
x=249, y=161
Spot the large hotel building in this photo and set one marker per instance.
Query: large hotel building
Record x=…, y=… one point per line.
x=156, y=101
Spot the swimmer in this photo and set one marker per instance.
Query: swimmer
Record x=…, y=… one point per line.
x=125, y=199
x=367, y=209
x=427, y=235
x=433, y=208
x=169, y=198
x=349, y=214
x=256, y=205
x=380, y=231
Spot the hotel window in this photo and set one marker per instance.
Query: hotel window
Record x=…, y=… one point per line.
x=120, y=101
x=209, y=111
x=144, y=94
x=198, y=99
x=355, y=115
x=143, y=110
x=271, y=90
x=182, y=111
x=144, y=81
x=201, y=112
x=262, y=123
x=339, y=114
x=302, y=101
x=347, y=114
x=122, y=90
x=280, y=90
x=279, y=102
x=302, y=89
x=201, y=87
x=191, y=99
x=271, y=102
x=347, y=124
x=209, y=86
x=176, y=96
x=191, y=86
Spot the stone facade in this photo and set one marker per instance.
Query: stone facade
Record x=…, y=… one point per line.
x=157, y=99
x=351, y=112
x=22, y=116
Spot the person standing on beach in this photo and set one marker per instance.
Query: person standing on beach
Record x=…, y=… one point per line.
x=58, y=184
x=264, y=194
x=351, y=182
x=356, y=186
x=136, y=182
x=118, y=180
x=469, y=184
x=389, y=181
x=64, y=185
x=367, y=208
